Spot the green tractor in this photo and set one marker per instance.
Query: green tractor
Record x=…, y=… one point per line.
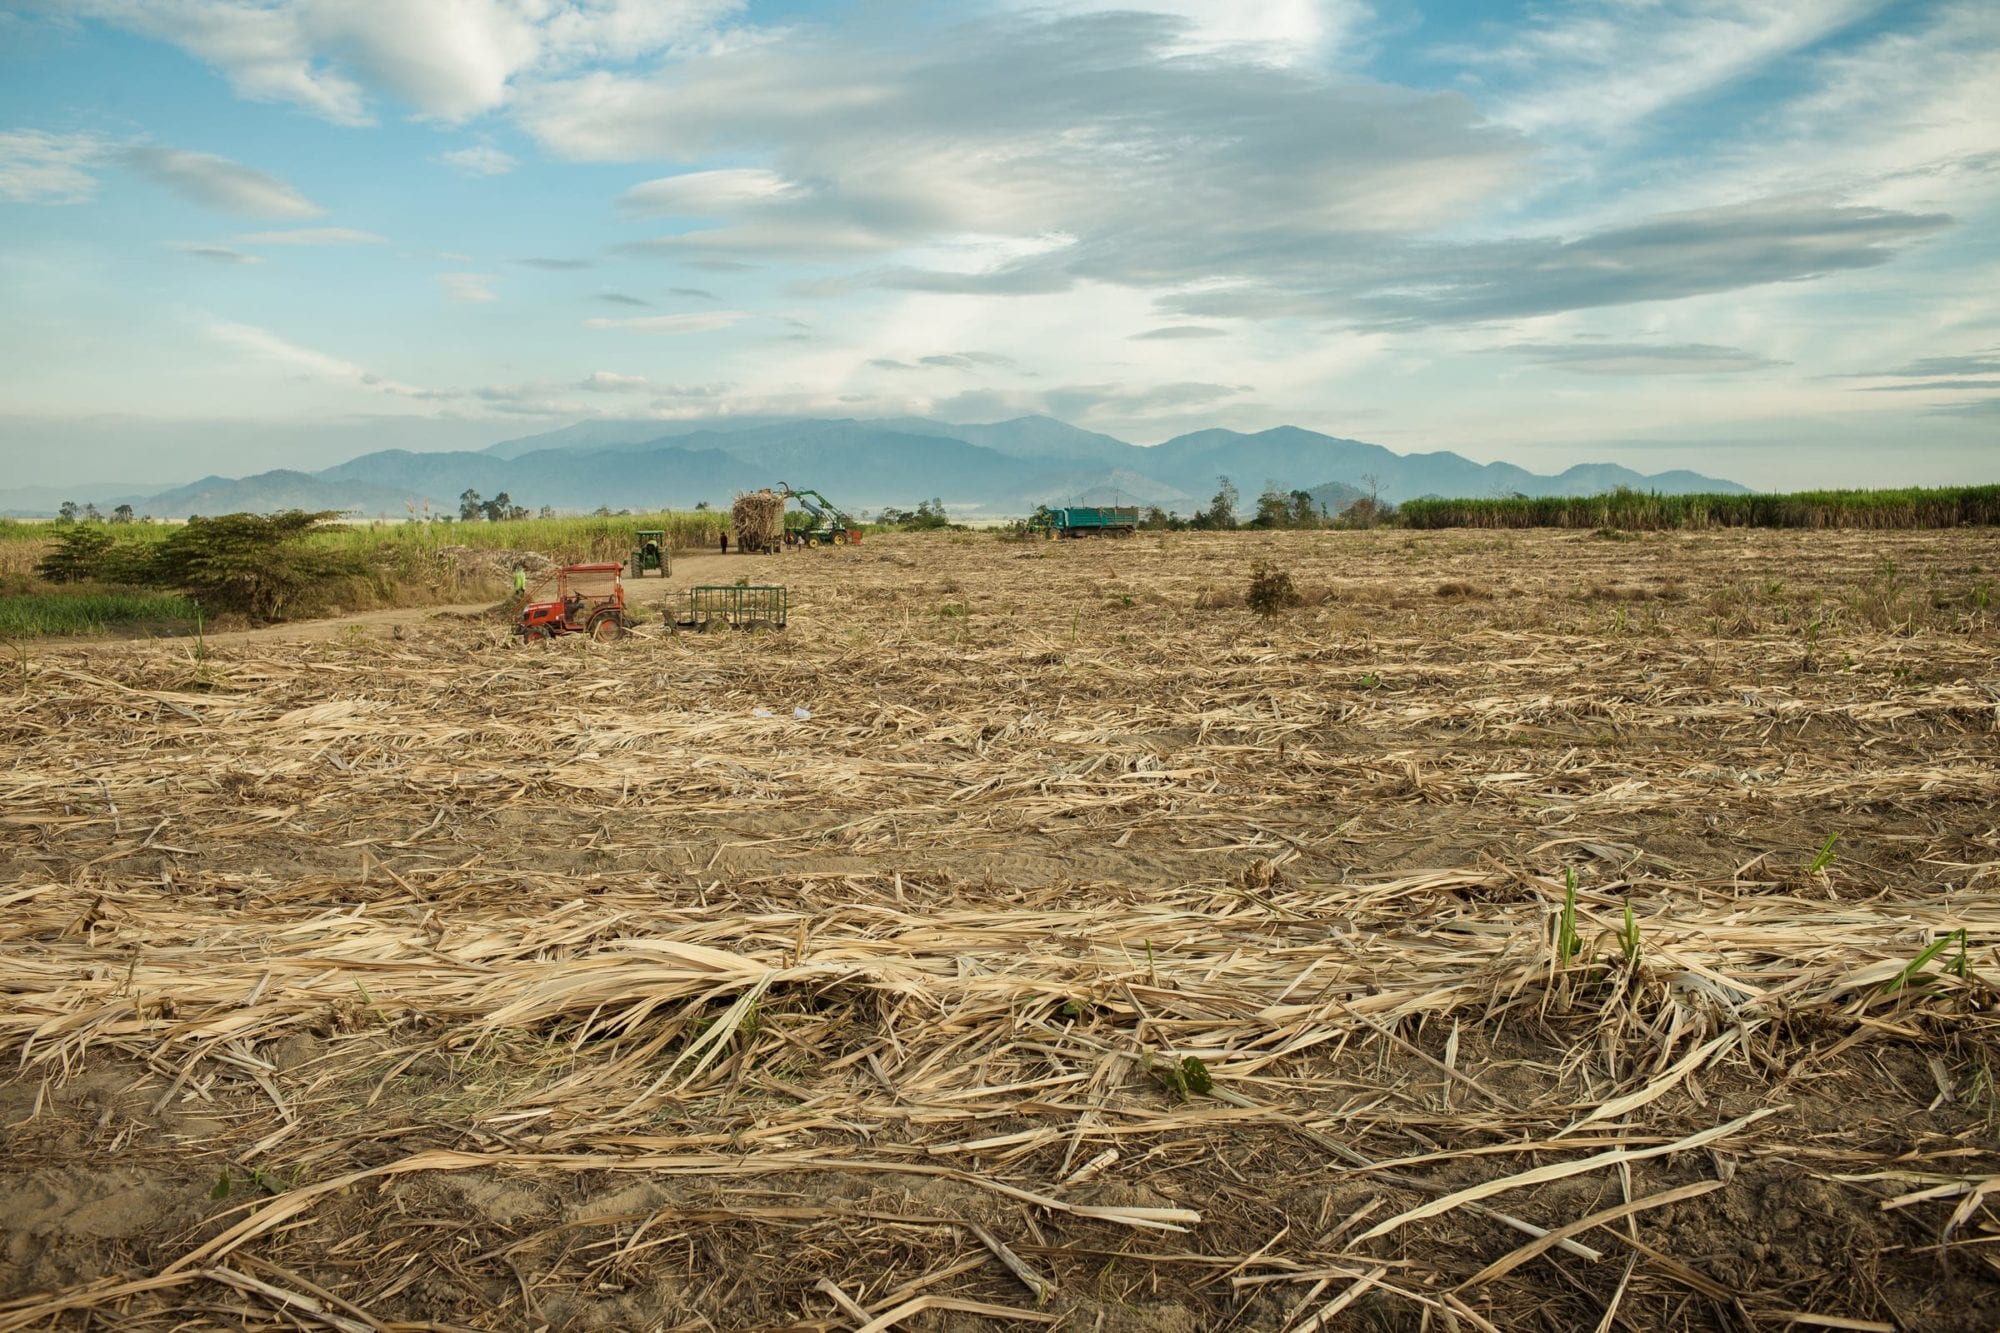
x=652, y=553
x=825, y=523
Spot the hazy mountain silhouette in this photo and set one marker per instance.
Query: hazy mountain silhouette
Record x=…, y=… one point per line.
x=996, y=467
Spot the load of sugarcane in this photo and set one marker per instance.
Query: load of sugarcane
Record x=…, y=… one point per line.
x=757, y=521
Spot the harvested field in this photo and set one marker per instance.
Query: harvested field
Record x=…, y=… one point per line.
x=1034, y=936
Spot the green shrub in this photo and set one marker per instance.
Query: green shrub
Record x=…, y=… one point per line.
x=80, y=555
x=258, y=565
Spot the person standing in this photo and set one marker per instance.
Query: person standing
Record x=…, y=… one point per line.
x=725, y=541
x=520, y=581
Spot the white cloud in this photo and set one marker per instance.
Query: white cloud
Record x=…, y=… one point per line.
x=1179, y=332
x=467, y=288
x=610, y=381
x=264, y=50
x=1906, y=117
x=38, y=168
x=1596, y=66
x=981, y=156
x=312, y=236
x=705, y=193
x=262, y=345
x=449, y=60
x=217, y=183
x=479, y=160
x=1597, y=357
x=669, y=324
x=1277, y=32
x=780, y=238
x=220, y=254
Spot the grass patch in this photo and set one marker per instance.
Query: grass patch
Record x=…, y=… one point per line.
x=92, y=611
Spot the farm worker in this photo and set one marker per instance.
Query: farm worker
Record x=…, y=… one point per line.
x=725, y=541
x=520, y=581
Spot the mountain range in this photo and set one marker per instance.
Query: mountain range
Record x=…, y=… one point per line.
x=997, y=468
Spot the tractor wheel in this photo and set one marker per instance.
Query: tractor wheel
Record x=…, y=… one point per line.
x=606, y=627
x=840, y=538
x=812, y=542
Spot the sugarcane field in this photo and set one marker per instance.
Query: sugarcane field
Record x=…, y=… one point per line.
x=1375, y=929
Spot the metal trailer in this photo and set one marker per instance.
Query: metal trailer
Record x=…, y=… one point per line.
x=1093, y=521
x=717, y=606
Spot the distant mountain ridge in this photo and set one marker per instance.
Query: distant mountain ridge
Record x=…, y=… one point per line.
x=995, y=468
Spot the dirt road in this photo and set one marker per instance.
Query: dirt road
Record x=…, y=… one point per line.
x=640, y=594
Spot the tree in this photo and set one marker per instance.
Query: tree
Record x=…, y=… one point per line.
x=122, y=514
x=701, y=506
x=546, y=511
x=80, y=554
x=256, y=564
x=1369, y=510
x=500, y=507
x=68, y=512
x=1221, y=512
x=928, y=516
x=90, y=514
x=1274, y=508
x=469, y=505
x=1305, y=514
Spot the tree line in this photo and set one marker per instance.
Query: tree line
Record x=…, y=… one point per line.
x=1276, y=508
x=71, y=512
x=256, y=565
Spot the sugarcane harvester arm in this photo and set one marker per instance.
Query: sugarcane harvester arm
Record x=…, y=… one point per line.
x=825, y=520
x=825, y=513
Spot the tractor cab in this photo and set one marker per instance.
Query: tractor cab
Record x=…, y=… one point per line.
x=576, y=599
x=651, y=552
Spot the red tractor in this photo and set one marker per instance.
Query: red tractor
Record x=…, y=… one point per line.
x=588, y=599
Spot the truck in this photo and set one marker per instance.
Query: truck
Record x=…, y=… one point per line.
x=1088, y=520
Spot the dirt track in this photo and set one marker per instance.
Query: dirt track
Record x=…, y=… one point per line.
x=646, y=592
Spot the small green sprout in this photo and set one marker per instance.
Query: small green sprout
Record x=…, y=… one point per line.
x=1916, y=966
x=1568, y=943
x=1185, y=1078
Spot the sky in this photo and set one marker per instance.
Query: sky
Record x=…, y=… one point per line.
x=1756, y=238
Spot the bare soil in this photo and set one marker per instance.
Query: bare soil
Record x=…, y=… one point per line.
x=384, y=974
